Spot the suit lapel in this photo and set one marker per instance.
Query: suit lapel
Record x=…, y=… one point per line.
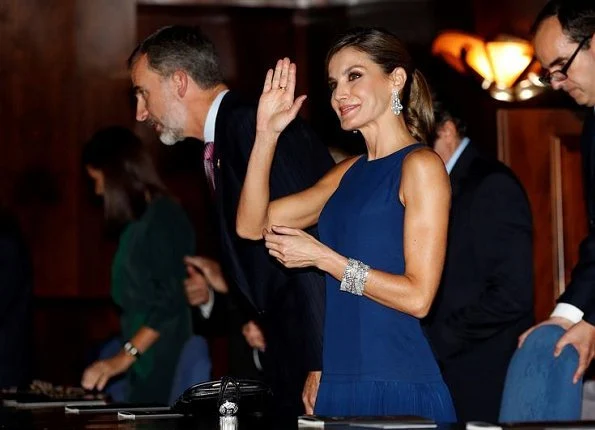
x=224, y=191
x=220, y=139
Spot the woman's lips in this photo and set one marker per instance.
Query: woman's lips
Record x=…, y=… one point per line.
x=345, y=110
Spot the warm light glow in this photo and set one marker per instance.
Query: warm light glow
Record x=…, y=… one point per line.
x=452, y=45
x=477, y=58
x=502, y=94
x=526, y=89
x=509, y=60
x=500, y=62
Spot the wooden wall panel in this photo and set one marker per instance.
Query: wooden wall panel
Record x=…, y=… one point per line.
x=511, y=17
x=529, y=141
x=105, y=36
x=570, y=213
x=64, y=65
x=63, y=75
x=38, y=109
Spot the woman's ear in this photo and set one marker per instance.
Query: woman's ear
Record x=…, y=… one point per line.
x=398, y=78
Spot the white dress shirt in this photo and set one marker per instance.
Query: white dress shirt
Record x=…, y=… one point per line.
x=450, y=164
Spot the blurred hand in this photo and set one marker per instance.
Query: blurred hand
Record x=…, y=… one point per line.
x=210, y=270
x=100, y=372
x=582, y=337
x=293, y=247
x=311, y=391
x=277, y=107
x=196, y=287
x=254, y=336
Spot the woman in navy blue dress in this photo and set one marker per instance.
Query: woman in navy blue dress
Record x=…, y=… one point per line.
x=382, y=219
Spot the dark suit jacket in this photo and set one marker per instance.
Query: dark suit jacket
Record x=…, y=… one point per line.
x=16, y=293
x=290, y=302
x=485, y=300
x=580, y=292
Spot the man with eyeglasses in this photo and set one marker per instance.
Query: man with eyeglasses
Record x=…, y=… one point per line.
x=565, y=46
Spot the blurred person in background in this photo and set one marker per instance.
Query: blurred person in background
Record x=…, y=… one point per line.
x=148, y=269
x=16, y=293
x=485, y=298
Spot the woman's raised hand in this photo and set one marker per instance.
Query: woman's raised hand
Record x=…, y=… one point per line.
x=277, y=106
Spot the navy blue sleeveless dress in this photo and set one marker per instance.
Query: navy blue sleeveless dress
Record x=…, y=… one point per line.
x=376, y=360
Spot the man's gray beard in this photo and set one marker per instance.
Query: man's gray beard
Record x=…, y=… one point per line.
x=169, y=137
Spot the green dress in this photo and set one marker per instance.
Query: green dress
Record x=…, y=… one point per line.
x=147, y=284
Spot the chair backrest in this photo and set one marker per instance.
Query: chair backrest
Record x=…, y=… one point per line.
x=194, y=366
x=539, y=386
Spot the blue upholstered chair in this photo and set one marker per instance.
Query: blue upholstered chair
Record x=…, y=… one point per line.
x=539, y=386
x=194, y=365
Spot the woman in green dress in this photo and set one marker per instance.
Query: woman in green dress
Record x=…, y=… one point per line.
x=148, y=269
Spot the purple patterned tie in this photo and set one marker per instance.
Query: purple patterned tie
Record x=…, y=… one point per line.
x=209, y=165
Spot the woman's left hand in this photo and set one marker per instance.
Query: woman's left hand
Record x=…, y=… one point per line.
x=99, y=373
x=293, y=247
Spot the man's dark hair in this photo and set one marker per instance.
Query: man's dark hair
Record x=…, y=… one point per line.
x=129, y=173
x=444, y=113
x=179, y=47
x=577, y=18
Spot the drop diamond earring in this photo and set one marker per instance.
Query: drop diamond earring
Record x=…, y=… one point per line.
x=395, y=103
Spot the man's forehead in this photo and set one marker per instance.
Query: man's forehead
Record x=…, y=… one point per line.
x=139, y=68
x=550, y=42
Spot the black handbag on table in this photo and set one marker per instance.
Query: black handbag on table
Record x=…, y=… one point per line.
x=226, y=397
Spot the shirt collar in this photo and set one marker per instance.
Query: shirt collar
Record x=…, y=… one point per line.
x=212, y=117
x=455, y=156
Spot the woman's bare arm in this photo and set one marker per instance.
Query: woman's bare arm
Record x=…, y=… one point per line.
x=276, y=109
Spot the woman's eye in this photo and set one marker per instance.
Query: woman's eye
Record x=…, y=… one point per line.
x=332, y=86
x=354, y=75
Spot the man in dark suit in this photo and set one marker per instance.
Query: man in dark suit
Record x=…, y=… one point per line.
x=16, y=295
x=485, y=299
x=565, y=46
x=180, y=91
x=214, y=314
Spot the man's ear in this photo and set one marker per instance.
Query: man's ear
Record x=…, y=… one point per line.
x=180, y=80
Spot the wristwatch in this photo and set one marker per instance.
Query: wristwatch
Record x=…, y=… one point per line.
x=131, y=350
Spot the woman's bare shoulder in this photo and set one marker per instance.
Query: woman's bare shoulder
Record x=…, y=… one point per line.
x=423, y=159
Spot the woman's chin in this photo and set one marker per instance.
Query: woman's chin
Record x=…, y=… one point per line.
x=348, y=126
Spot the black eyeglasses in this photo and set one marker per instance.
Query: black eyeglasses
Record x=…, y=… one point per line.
x=562, y=74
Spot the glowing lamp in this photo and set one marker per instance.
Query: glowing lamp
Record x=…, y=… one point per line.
x=500, y=63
